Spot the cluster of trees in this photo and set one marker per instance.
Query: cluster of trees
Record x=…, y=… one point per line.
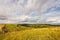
x=36, y=25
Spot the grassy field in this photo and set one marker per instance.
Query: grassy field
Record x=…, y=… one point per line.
x=15, y=32
x=35, y=34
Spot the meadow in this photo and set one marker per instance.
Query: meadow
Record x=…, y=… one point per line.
x=29, y=32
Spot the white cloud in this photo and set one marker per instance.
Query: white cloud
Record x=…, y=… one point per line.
x=20, y=18
x=53, y=20
x=19, y=11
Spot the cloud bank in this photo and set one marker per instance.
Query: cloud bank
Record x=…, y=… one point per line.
x=30, y=11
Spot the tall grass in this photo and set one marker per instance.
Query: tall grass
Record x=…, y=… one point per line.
x=35, y=34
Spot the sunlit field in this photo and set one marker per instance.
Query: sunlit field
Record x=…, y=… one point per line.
x=29, y=32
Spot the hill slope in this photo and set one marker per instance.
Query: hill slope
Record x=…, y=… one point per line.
x=34, y=34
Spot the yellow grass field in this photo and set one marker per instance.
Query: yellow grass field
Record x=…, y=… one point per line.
x=52, y=33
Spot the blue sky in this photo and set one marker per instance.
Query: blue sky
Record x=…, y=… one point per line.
x=30, y=11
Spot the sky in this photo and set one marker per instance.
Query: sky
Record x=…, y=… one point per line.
x=30, y=11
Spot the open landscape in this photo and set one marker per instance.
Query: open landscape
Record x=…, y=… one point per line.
x=29, y=19
x=29, y=32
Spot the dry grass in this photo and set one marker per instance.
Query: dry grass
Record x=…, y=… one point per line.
x=1, y=26
x=35, y=34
